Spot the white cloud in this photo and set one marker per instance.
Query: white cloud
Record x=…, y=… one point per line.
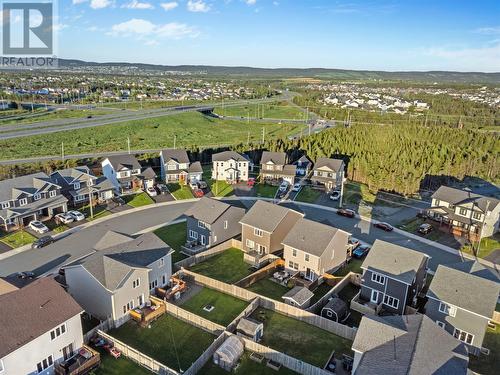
x=141, y=28
x=169, y=6
x=488, y=30
x=135, y=4
x=484, y=59
x=59, y=26
x=197, y=6
x=79, y=1
x=276, y=3
x=251, y=2
x=100, y=4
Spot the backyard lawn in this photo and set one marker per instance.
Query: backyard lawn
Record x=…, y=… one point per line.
x=138, y=200
x=308, y=195
x=227, y=266
x=17, y=239
x=268, y=288
x=226, y=307
x=175, y=236
x=488, y=245
x=354, y=265
x=123, y=365
x=179, y=191
x=319, y=292
x=298, y=339
x=221, y=188
x=488, y=364
x=170, y=341
x=265, y=191
x=246, y=367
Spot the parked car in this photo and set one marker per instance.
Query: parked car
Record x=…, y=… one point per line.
x=283, y=187
x=296, y=187
x=251, y=182
x=198, y=193
x=64, y=218
x=361, y=251
x=193, y=185
x=346, y=212
x=38, y=227
x=385, y=226
x=353, y=243
x=151, y=191
x=202, y=184
x=163, y=188
x=26, y=275
x=42, y=242
x=425, y=228
x=76, y=215
x=335, y=195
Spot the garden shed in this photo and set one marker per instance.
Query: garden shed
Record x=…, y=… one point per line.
x=250, y=329
x=229, y=353
x=335, y=309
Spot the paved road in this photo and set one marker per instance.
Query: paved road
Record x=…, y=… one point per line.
x=79, y=244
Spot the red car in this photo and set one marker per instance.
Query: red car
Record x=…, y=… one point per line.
x=346, y=212
x=198, y=193
x=251, y=182
x=385, y=226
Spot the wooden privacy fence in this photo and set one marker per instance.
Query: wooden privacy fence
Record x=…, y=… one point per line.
x=292, y=311
x=260, y=274
x=105, y=326
x=198, y=258
x=138, y=357
x=247, y=311
x=348, y=279
x=206, y=355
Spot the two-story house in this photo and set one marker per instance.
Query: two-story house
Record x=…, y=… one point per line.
x=274, y=169
x=328, y=173
x=229, y=166
x=303, y=165
x=314, y=249
x=119, y=274
x=211, y=222
x=40, y=326
x=465, y=213
x=27, y=198
x=393, y=276
x=462, y=299
x=177, y=168
x=126, y=174
x=78, y=183
x=407, y=344
x=263, y=229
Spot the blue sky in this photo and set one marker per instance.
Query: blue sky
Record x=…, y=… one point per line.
x=383, y=35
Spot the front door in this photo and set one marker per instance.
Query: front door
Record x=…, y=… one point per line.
x=203, y=239
x=67, y=351
x=375, y=296
x=309, y=274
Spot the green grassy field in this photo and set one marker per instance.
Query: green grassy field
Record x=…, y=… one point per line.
x=179, y=191
x=298, y=339
x=138, y=200
x=308, y=195
x=123, y=365
x=98, y=211
x=268, y=288
x=319, y=292
x=227, y=266
x=488, y=245
x=221, y=188
x=175, y=236
x=265, y=191
x=246, y=367
x=354, y=265
x=17, y=239
x=226, y=307
x=27, y=117
x=275, y=110
x=169, y=340
x=190, y=129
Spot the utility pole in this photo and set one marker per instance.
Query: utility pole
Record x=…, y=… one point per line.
x=248, y=138
x=62, y=151
x=341, y=190
x=128, y=144
x=175, y=140
x=90, y=199
x=263, y=135
x=482, y=226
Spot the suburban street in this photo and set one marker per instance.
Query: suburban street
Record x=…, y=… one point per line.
x=78, y=244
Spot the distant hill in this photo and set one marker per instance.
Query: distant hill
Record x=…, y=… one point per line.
x=320, y=73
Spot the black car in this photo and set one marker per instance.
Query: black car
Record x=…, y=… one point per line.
x=118, y=201
x=384, y=226
x=425, y=228
x=26, y=275
x=42, y=242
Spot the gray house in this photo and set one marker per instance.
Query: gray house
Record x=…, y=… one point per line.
x=303, y=165
x=408, y=344
x=176, y=167
x=79, y=182
x=27, y=198
x=464, y=213
x=211, y=222
x=393, y=276
x=461, y=299
x=119, y=274
x=329, y=173
x=274, y=169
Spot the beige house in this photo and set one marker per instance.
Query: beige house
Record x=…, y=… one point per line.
x=229, y=166
x=273, y=168
x=263, y=229
x=314, y=249
x=329, y=173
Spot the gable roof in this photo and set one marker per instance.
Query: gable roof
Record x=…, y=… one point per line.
x=227, y=155
x=31, y=311
x=209, y=210
x=393, y=260
x=178, y=155
x=299, y=294
x=466, y=290
x=408, y=344
x=460, y=197
x=274, y=157
x=30, y=184
x=266, y=216
x=333, y=164
x=81, y=173
x=127, y=161
x=315, y=238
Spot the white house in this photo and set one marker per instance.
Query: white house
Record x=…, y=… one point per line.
x=229, y=166
x=124, y=172
x=40, y=326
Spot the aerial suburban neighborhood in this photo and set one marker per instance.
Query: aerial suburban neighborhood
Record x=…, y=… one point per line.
x=249, y=187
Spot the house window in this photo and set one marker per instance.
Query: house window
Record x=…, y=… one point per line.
x=306, y=257
x=52, y=193
x=462, y=211
x=250, y=244
x=463, y=336
x=294, y=252
x=440, y=324
x=391, y=301
x=203, y=225
x=290, y=264
x=76, y=185
x=128, y=306
x=261, y=249
x=374, y=296
x=447, y=309
x=164, y=279
x=162, y=262
x=136, y=283
x=437, y=202
x=225, y=224
x=294, y=266
x=378, y=278
x=55, y=333
x=45, y=364
x=5, y=205
x=193, y=234
x=154, y=284
x=37, y=196
x=476, y=215
x=258, y=232
x=23, y=202
x=90, y=182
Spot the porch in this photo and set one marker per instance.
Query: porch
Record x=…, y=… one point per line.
x=81, y=363
x=365, y=307
x=258, y=260
x=193, y=247
x=149, y=313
